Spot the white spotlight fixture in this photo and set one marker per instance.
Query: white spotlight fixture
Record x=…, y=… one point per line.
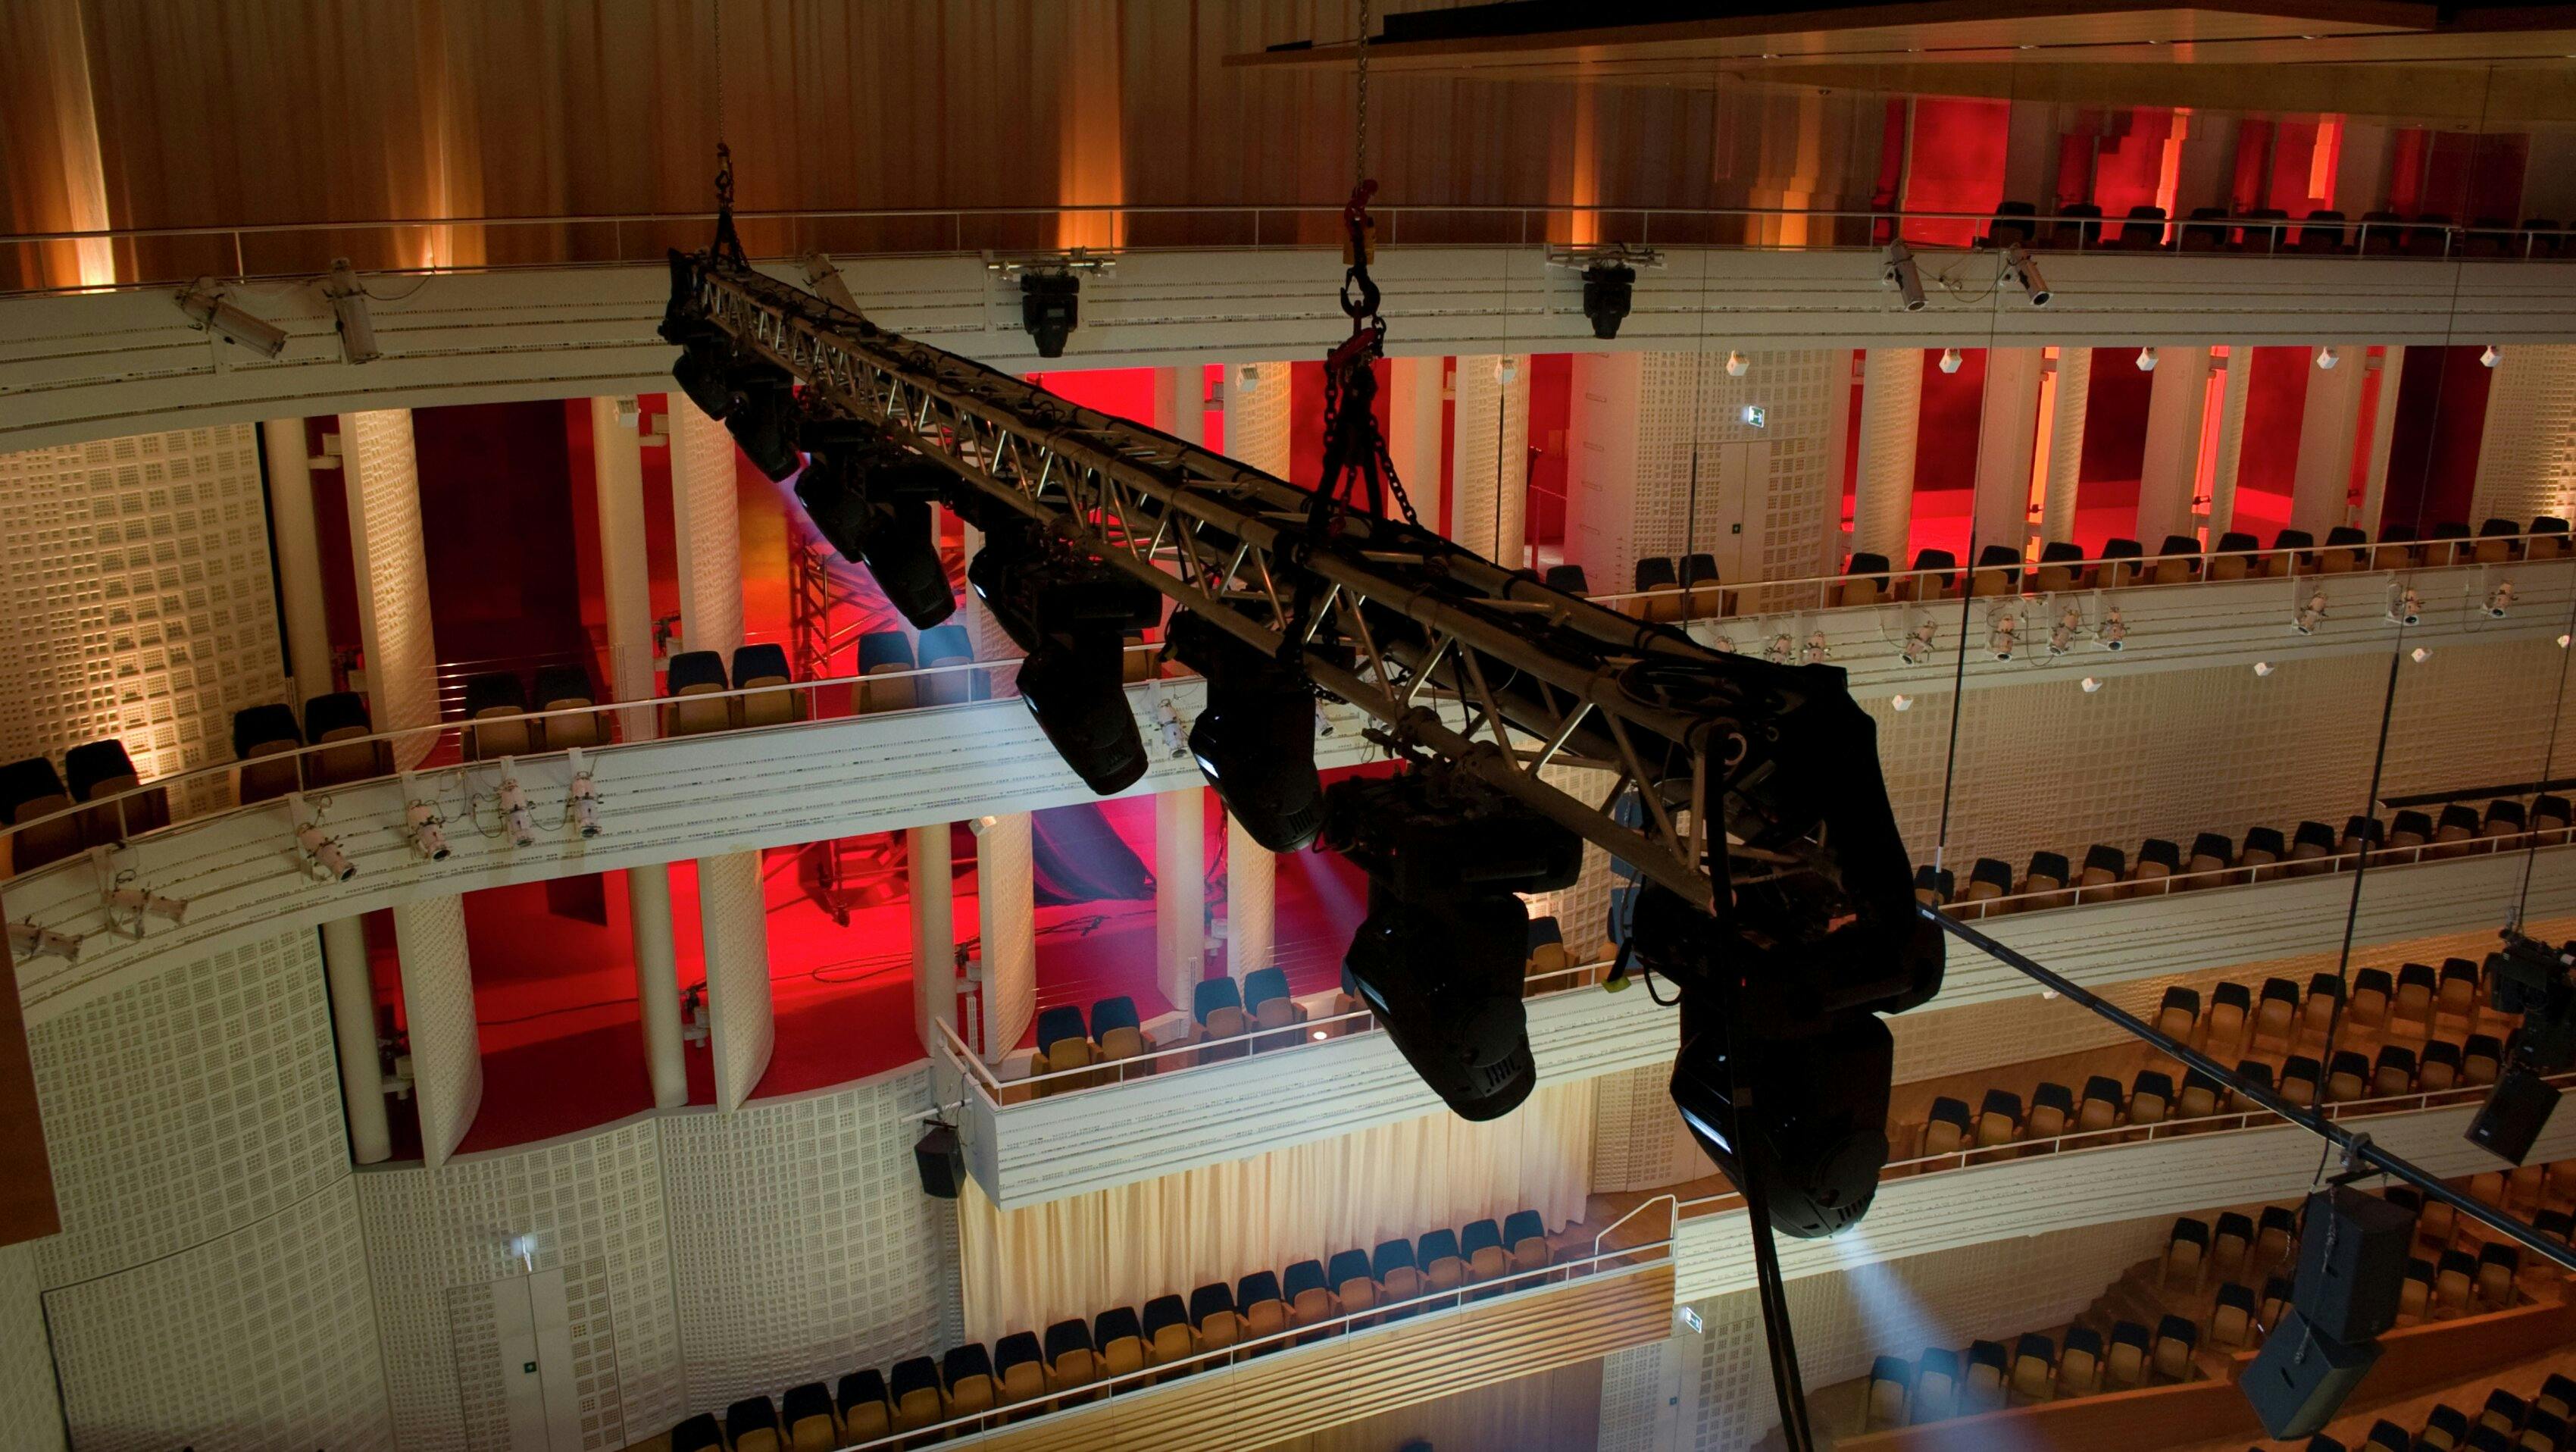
x=2146, y=360
x=2001, y=634
x=1817, y=653
x=1737, y=365
x=349, y=304
x=26, y=940
x=2025, y=275
x=1897, y=270
x=134, y=904
x=2262, y=667
x=320, y=848
x=2091, y=684
x=1781, y=650
x=2061, y=637
x=204, y=301
x=513, y=801
x=1167, y=719
x=2409, y=608
x=581, y=802
x=2500, y=600
x=2115, y=631
x=1918, y=646
x=2327, y=357
x=2420, y=654
x=420, y=817
x=2310, y=615
x=1951, y=359
x=1901, y=701
x=2492, y=356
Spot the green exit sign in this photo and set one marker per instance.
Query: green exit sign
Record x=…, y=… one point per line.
x=1756, y=416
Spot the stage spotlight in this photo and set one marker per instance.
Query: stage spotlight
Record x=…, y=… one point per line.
x=1050, y=308
x=871, y=499
x=322, y=849
x=428, y=830
x=1608, y=289
x=349, y=304
x=1952, y=360
x=1440, y=956
x=1897, y=270
x=2146, y=360
x=1255, y=740
x=137, y=903
x=513, y=802
x=581, y=803
x=763, y=420
x=1071, y=613
x=26, y=941
x=204, y=301
x=1811, y=1124
x=2025, y=275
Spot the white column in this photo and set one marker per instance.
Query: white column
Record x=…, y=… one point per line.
x=2525, y=466
x=1180, y=402
x=353, y=1027
x=2231, y=438
x=934, y=931
x=708, y=530
x=1180, y=891
x=2170, y=465
x=438, y=1016
x=383, y=481
x=1251, y=889
x=299, y=557
x=1891, y=410
x=2007, y=423
x=741, y=1025
x=1006, y=921
x=657, y=982
x=1413, y=433
x=2321, y=493
x=2383, y=426
x=1256, y=416
x=1490, y=456
x=617, y=472
x=2067, y=405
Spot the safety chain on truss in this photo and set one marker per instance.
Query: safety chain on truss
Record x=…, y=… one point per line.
x=1450, y=653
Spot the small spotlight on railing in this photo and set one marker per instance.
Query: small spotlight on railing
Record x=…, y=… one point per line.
x=320, y=848
x=2310, y=615
x=2408, y=608
x=26, y=940
x=349, y=304
x=205, y=302
x=513, y=802
x=2025, y=275
x=1897, y=270
x=2500, y=600
x=581, y=803
x=2115, y=631
x=136, y=904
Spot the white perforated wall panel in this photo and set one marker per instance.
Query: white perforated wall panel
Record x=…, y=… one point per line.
x=393, y=574
x=1639, y=1142
x=591, y=1205
x=135, y=579
x=709, y=533
x=1891, y=409
x=2527, y=446
x=261, y=1339
x=1256, y=418
x=1489, y=458
x=742, y=1026
x=31, y=1416
x=1897, y=1308
x=2067, y=406
x=1635, y=1393
x=187, y=1105
x=438, y=1014
x=803, y=1244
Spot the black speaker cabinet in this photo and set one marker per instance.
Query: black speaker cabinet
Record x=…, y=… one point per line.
x=2352, y=1263
x=2517, y=1109
x=941, y=1160
x=2300, y=1378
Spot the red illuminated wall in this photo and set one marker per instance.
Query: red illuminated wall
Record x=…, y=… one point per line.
x=2433, y=453
x=1957, y=165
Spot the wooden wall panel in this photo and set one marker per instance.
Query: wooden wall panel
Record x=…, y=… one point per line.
x=1554, y=1411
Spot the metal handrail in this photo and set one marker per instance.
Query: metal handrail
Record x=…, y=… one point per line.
x=1376, y=1317
x=442, y=730
x=2093, y=1140
x=1308, y=1031
x=2144, y=564
x=2101, y=231
x=1666, y=1199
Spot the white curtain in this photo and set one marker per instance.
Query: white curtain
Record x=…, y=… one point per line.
x=1025, y=1269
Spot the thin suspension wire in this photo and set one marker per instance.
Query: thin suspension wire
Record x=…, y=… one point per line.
x=2360, y=871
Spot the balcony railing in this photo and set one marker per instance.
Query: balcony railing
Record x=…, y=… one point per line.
x=159, y=256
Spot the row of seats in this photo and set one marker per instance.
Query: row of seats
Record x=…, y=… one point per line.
x=494, y=697
x=702, y=672
x=2374, y=999
x=1941, y=1383
x=31, y=789
x=2312, y=849
x=271, y=731
x=2062, y=566
x=893, y=653
x=1022, y=1368
x=2504, y=1423
x=2268, y=230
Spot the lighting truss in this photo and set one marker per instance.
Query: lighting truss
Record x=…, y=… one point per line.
x=1389, y=616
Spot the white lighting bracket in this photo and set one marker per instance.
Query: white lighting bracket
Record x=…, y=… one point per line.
x=1077, y=259
x=1604, y=254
